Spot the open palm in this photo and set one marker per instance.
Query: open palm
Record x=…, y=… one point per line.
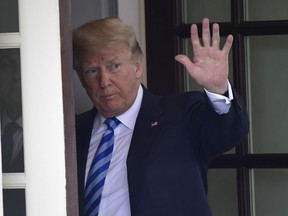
x=209, y=67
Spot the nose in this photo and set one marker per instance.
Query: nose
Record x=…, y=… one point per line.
x=104, y=78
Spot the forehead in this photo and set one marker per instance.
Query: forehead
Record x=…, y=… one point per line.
x=106, y=53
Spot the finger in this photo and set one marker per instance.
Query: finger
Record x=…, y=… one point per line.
x=206, y=32
x=185, y=61
x=216, y=36
x=194, y=37
x=228, y=44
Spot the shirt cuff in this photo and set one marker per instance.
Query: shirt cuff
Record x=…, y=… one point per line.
x=221, y=103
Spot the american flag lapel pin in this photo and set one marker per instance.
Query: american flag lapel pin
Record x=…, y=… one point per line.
x=153, y=124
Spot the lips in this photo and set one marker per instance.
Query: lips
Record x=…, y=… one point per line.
x=108, y=96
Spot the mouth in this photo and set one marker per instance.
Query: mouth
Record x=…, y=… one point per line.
x=108, y=96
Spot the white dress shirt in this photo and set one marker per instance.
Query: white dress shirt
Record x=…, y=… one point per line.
x=115, y=196
x=220, y=103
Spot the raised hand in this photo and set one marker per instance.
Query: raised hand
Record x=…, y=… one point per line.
x=209, y=67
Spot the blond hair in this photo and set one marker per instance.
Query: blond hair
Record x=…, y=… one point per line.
x=101, y=33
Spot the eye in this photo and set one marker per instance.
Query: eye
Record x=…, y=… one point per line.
x=115, y=67
x=90, y=73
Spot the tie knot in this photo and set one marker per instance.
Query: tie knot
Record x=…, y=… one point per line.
x=112, y=123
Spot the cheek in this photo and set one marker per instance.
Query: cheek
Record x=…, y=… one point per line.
x=91, y=88
x=129, y=92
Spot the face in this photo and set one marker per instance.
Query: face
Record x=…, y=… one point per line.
x=111, y=78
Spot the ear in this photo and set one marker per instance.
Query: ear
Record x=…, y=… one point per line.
x=139, y=67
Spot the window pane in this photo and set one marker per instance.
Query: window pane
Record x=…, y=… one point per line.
x=268, y=76
x=195, y=10
x=259, y=10
x=9, y=16
x=222, y=192
x=14, y=202
x=11, y=111
x=271, y=191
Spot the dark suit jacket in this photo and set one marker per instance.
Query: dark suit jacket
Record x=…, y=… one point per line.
x=173, y=142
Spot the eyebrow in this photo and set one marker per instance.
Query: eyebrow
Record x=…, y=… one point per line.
x=112, y=60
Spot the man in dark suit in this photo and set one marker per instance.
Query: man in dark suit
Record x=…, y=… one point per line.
x=163, y=145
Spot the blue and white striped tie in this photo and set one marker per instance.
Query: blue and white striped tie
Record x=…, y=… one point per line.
x=98, y=169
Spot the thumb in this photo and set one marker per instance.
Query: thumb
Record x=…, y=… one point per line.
x=183, y=59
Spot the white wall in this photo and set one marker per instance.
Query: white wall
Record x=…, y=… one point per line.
x=130, y=11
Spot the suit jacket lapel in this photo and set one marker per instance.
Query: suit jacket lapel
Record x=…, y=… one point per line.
x=148, y=124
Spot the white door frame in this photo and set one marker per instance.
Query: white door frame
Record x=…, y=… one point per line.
x=42, y=101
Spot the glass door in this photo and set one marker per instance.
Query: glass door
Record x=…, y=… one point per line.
x=12, y=142
x=251, y=179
